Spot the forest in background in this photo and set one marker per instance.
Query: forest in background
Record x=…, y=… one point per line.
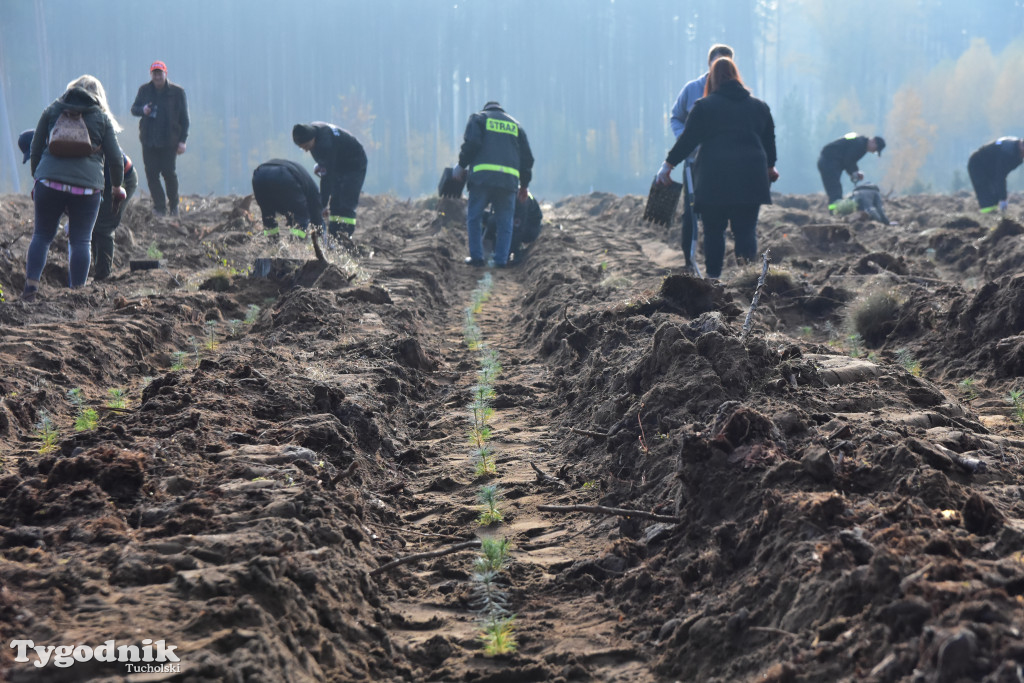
x=591, y=81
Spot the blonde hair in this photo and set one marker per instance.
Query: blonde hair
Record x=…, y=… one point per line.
x=92, y=85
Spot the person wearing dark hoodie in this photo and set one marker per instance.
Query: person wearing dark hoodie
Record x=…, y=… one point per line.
x=842, y=155
x=70, y=184
x=284, y=187
x=735, y=166
x=341, y=165
x=988, y=167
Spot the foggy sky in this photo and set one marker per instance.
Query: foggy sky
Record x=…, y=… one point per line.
x=591, y=81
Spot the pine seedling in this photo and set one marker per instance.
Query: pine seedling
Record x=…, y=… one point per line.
x=195, y=347
x=966, y=386
x=233, y=326
x=485, y=463
x=856, y=345
x=118, y=398
x=489, y=497
x=479, y=435
x=179, y=360
x=211, y=335
x=905, y=358
x=472, y=333
x=47, y=432
x=487, y=596
x=495, y=555
x=153, y=252
x=1017, y=401
x=490, y=366
x=87, y=418
x=251, y=314
x=499, y=637
x=480, y=411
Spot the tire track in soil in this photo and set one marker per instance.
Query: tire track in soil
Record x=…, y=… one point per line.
x=573, y=631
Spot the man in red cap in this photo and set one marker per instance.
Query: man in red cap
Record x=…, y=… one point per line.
x=162, y=130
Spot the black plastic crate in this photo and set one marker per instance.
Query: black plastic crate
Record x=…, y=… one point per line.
x=662, y=202
x=449, y=186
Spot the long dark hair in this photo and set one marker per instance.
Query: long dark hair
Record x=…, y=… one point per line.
x=722, y=70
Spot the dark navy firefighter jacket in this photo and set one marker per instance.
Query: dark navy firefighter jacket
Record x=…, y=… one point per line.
x=495, y=151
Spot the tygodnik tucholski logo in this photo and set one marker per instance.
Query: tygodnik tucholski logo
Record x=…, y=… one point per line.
x=151, y=657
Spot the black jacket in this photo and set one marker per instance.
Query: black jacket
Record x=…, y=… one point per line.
x=293, y=188
x=495, y=151
x=996, y=160
x=167, y=125
x=337, y=150
x=736, y=135
x=845, y=152
x=78, y=171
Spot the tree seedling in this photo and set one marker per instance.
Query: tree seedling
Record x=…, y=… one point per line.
x=153, y=252
x=118, y=398
x=856, y=345
x=488, y=497
x=905, y=358
x=966, y=387
x=251, y=314
x=495, y=555
x=485, y=463
x=211, y=335
x=47, y=432
x=179, y=360
x=1017, y=400
x=87, y=418
x=498, y=636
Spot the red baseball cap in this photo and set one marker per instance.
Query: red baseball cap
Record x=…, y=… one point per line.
x=158, y=66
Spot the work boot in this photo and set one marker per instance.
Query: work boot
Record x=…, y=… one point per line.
x=174, y=211
x=28, y=295
x=475, y=262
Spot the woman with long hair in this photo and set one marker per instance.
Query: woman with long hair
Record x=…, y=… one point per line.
x=112, y=207
x=735, y=164
x=71, y=182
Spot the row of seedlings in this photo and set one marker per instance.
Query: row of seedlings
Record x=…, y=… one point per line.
x=488, y=597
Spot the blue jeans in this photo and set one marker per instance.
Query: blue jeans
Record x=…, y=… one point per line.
x=81, y=210
x=503, y=202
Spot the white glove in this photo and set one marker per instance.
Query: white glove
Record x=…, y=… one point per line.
x=319, y=170
x=1003, y=206
x=664, y=176
x=458, y=173
x=857, y=176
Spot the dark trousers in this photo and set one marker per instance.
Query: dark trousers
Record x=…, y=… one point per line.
x=162, y=161
x=106, y=224
x=743, y=218
x=343, y=189
x=830, y=174
x=989, y=188
x=81, y=209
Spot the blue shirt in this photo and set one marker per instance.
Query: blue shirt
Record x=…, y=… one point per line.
x=688, y=96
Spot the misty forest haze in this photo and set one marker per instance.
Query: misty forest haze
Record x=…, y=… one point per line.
x=592, y=81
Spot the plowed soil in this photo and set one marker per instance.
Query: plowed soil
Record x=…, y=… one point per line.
x=830, y=507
